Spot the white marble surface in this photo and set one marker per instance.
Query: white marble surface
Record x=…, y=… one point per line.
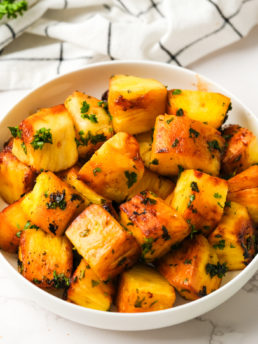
x=234, y=322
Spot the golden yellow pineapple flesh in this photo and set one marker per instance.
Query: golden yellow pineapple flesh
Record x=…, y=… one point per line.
x=135, y=102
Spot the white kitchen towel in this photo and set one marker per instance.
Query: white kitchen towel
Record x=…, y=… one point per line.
x=56, y=36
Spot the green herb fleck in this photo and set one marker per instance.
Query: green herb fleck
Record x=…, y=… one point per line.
x=170, y=120
x=181, y=169
x=217, y=195
x=41, y=137
x=193, y=133
x=94, y=283
x=57, y=200
x=147, y=246
x=154, y=162
x=214, y=145
x=85, y=107
x=60, y=280
x=96, y=170
x=131, y=178
x=176, y=92
x=175, y=143
x=194, y=187
x=220, y=245
x=36, y=281
x=188, y=262
x=138, y=302
x=165, y=234
x=85, y=139
x=191, y=199
x=24, y=147
x=216, y=269
x=15, y=131
x=148, y=200
x=180, y=113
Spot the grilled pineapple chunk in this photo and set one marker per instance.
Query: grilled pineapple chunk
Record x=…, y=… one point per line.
x=102, y=242
x=88, y=291
x=46, y=140
x=142, y=289
x=151, y=181
x=249, y=199
x=200, y=199
x=52, y=204
x=247, y=179
x=135, y=102
x=92, y=122
x=114, y=168
x=182, y=143
x=45, y=260
x=241, y=150
x=207, y=107
x=15, y=177
x=12, y=222
x=155, y=225
x=193, y=268
x=145, y=144
x=233, y=239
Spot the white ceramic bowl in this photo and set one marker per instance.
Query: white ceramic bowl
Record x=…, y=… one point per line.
x=94, y=81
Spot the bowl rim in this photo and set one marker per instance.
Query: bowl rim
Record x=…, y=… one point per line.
x=249, y=270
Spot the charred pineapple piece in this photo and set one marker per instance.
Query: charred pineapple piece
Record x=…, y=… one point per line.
x=233, y=239
x=193, y=268
x=45, y=260
x=200, y=199
x=207, y=107
x=145, y=143
x=241, y=150
x=88, y=291
x=46, y=140
x=114, y=168
x=15, y=177
x=247, y=179
x=103, y=242
x=249, y=199
x=88, y=194
x=92, y=122
x=135, y=102
x=52, y=204
x=12, y=221
x=155, y=225
x=181, y=143
x=151, y=181
x=142, y=289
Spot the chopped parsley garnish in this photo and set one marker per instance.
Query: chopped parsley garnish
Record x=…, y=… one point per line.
x=18, y=234
x=216, y=269
x=94, y=283
x=180, y=113
x=165, y=234
x=188, y=262
x=220, y=245
x=24, y=147
x=193, y=133
x=92, y=117
x=154, y=162
x=170, y=120
x=191, y=199
x=41, y=137
x=84, y=233
x=60, y=280
x=147, y=246
x=192, y=228
x=217, y=195
x=15, y=131
x=96, y=170
x=138, y=302
x=75, y=197
x=214, y=145
x=85, y=107
x=181, y=169
x=36, y=281
x=85, y=139
x=131, y=178
x=175, y=143
x=82, y=274
x=57, y=200
x=194, y=187
x=176, y=92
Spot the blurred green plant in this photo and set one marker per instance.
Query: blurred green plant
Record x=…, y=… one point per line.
x=12, y=8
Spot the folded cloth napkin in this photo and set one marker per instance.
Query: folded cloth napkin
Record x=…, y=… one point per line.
x=56, y=36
